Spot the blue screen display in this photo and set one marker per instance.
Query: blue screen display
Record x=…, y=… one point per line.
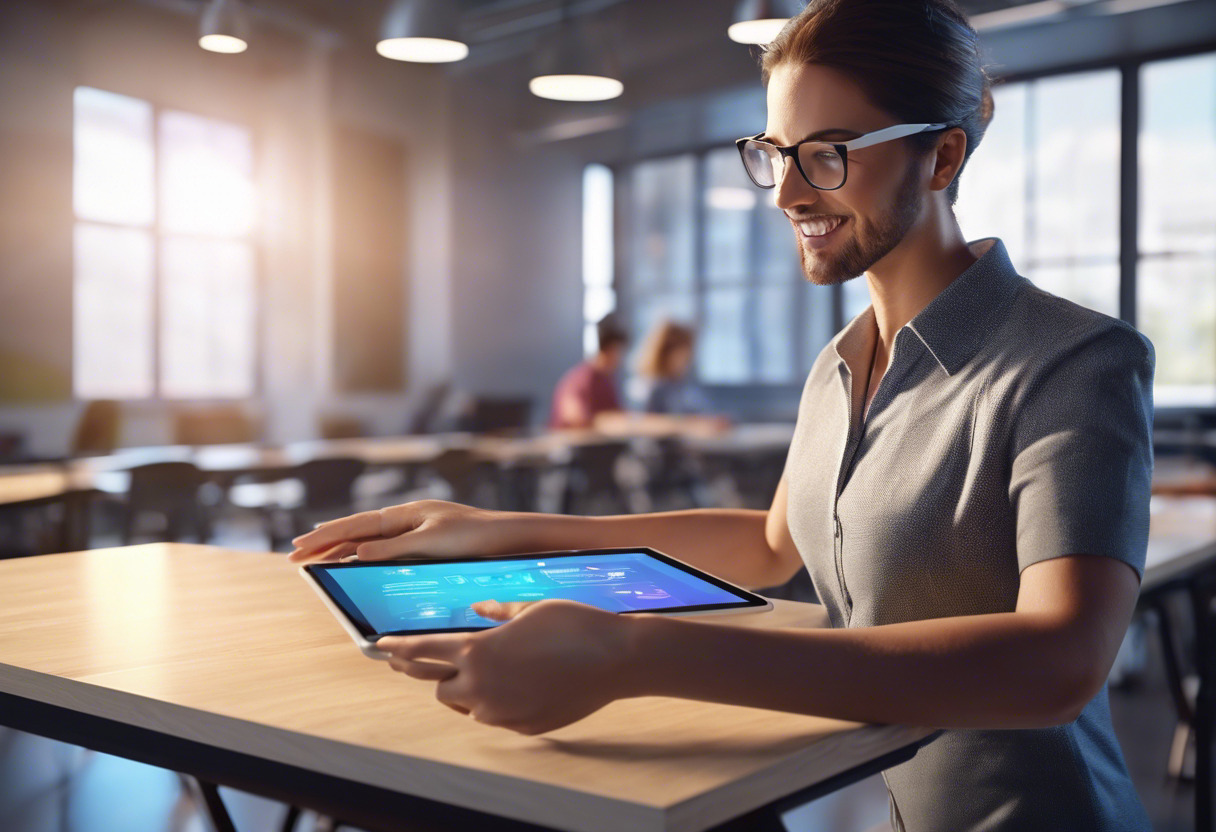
x=394, y=597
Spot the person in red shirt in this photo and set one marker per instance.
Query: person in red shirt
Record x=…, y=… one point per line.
x=589, y=388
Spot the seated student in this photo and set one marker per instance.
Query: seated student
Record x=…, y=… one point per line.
x=589, y=388
x=664, y=364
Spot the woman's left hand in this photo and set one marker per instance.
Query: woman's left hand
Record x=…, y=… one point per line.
x=553, y=663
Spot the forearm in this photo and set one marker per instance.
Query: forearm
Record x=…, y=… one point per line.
x=729, y=543
x=1006, y=670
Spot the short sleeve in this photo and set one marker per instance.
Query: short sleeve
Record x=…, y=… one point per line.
x=1082, y=459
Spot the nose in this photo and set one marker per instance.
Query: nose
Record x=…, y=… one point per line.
x=792, y=189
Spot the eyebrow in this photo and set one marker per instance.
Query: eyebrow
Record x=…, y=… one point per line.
x=820, y=134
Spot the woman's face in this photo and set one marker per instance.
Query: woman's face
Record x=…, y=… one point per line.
x=883, y=193
x=680, y=360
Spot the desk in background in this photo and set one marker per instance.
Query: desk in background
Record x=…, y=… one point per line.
x=1182, y=562
x=224, y=665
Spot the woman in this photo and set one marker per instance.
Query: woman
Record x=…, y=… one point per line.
x=968, y=482
x=663, y=366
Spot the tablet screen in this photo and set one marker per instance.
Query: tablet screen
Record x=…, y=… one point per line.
x=434, y=596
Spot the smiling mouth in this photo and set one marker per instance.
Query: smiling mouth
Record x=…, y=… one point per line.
x=820, y=226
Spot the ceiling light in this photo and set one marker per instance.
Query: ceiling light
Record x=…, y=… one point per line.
x=224, y=27
x=576, y=87
x=1125, y=6
x=422, y=31
x=1017, y=15
x=574, y=68
x=759, y=21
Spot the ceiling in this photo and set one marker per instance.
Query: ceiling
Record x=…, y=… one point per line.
x=361, y=18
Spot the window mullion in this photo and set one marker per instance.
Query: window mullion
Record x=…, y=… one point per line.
x=157, y=246
x=1129, y=190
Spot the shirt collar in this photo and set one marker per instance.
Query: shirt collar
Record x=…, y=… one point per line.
x=955, y=323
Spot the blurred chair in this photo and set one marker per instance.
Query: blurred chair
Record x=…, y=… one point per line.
x=674, y=478
x=427, y=416
x=172, y=491
x=320, y=489
x=472, y=479
x=340, y=426
x=329, y=491
x=98, y=428
x=499, y=415
x=215, y=425
x=593, y=481
x=12, y=446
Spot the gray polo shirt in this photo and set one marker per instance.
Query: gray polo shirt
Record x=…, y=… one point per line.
x=1012, y=426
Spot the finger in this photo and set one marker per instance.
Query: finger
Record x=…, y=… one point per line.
x=498, y=611
x=338, y=552
x=359, y=526
x=445, y=648
x=412, y=543
x=427, y=671
x=451, y=692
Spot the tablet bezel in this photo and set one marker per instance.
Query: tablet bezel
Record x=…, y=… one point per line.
x=338, y=601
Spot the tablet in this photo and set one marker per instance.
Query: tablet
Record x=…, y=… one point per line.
x=399, y=597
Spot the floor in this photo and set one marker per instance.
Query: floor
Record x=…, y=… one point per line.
x=47, y=786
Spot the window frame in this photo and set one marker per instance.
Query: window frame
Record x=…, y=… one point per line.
x=159, y=234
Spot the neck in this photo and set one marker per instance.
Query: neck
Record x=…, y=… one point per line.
x=924, y=263
x=602, y=362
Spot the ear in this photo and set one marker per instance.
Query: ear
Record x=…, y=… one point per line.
x=948, y=158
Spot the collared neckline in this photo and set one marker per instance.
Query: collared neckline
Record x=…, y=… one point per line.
x=954, y=324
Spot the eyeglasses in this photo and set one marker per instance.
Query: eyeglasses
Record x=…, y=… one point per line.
x=824, y=165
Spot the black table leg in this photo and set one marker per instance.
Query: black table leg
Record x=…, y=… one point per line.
x=1203, y=592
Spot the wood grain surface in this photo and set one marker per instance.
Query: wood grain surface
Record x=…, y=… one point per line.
x=233, y=649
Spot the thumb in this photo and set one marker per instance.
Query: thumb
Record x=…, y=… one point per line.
x=498, y=611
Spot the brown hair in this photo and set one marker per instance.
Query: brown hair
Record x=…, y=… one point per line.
x=661, y=344
x=919, y=60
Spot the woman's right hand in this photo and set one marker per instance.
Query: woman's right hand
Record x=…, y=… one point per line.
x=424, y=528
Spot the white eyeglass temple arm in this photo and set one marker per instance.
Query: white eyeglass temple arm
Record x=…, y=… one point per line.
x=886, y=134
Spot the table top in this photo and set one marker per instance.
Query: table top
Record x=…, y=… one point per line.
x=1182, y=537
x=233, y=649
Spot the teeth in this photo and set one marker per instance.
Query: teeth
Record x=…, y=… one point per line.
x=819, y=227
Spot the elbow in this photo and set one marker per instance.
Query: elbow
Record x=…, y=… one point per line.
x=1076, y=689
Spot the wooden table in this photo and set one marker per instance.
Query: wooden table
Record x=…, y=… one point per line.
x=36, y=486
x=225, y=665
x=1182, y=561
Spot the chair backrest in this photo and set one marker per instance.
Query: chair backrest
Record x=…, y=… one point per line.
x=465, y=471
x=98, y=428
x=164, y=487
x=500, y=415
x=597, y=461
x=329, y=483
x=339, y=426
x=218, y=425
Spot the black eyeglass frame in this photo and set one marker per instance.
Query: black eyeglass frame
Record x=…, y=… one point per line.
x=895, y=131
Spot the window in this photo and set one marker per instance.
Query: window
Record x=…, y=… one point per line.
x=709, y=249
x=164, y=274
x=1045, y=180
x=661, y=246
x=599, y=295
x=1176, y=264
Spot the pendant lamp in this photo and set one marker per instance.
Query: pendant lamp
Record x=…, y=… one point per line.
x=422, y=31
x=575, y=68
x=224, y=27
x=759, y=21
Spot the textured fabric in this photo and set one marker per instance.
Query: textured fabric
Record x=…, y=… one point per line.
x=592, y=386
x=1011, y=426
